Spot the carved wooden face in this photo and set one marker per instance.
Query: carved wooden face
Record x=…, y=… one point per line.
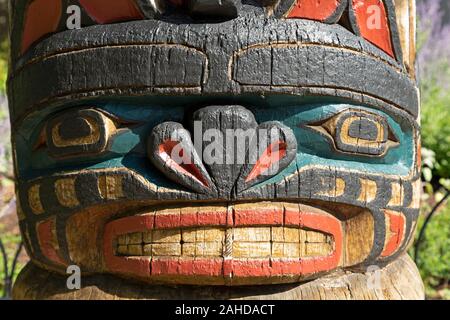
x=214, y=142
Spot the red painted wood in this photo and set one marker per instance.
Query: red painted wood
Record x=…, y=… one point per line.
x=396, y=222
x=218, y=267
x=166, y=221
x=258, y=216
x=291, y=217
x=318, y=10
x=186, y=169
x=272, y=155
x=187, y=267
x=380, y=36
x=42, y=18
x=109, y=11
x=47, y=240
x=136, y=266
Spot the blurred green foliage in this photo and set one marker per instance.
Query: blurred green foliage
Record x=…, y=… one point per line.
x=436, y=123
x=434, y=70
x=434, y=75
x=3, y=65
x=10, y=242
x=434, y=257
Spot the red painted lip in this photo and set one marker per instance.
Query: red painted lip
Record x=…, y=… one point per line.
x=222, y=270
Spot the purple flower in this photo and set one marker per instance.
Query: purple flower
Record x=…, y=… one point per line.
x=434, y=43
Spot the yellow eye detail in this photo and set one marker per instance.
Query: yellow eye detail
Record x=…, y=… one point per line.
x=358, y=132
x=79, y=132
x=74, y=132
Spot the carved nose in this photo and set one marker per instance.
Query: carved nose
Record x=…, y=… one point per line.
x=225, y=152
x=205, y=10
x=214, y=8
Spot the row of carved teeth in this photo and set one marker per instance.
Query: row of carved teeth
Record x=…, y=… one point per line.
x=245, y=242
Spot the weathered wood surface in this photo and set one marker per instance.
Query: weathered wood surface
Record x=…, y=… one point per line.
x=223, y=143
x=400, y=280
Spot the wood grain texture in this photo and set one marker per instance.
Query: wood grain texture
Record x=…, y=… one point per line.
x=399, y=280
x=221, y=144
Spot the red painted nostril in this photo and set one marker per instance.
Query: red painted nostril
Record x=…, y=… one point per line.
x=174, y=156
x=270, y=157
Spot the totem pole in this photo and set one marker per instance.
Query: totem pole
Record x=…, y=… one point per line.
x=216, y=148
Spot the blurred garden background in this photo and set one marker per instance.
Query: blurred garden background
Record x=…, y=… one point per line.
x=434, y=72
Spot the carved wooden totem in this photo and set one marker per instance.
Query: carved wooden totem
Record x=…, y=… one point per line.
x=216, y=148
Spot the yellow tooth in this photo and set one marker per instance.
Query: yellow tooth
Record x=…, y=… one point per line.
x=318, y=249
x=251, y=249
x=214, y=235
x=283, y=234
x=122, y=250
x=278, y=250
x=135, y=250
x=302, y=234
x=203, y=249
x=285, y=250
x=291, y=235
x=302, y=249
x=252, y=234
x=315, y=237
x=203, y=235
x=169, y=236
x=147, y=237
x=278, y=234
x=166, y=249
x=189, y=235
x=135, y=238
x=126, y=239
x=147, y=250
x=122, y=239
x=249, y=242
x=189, y=249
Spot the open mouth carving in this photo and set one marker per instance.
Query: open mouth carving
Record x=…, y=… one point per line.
x=235, y=244
x=245, y=242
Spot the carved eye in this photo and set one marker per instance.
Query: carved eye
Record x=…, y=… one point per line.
x=78, y=133
x=358, y=132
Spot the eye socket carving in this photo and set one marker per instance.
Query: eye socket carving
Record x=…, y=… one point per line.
x=358, y=132
x=78, y=133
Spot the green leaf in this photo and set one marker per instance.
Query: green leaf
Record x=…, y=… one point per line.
x=427, y=174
